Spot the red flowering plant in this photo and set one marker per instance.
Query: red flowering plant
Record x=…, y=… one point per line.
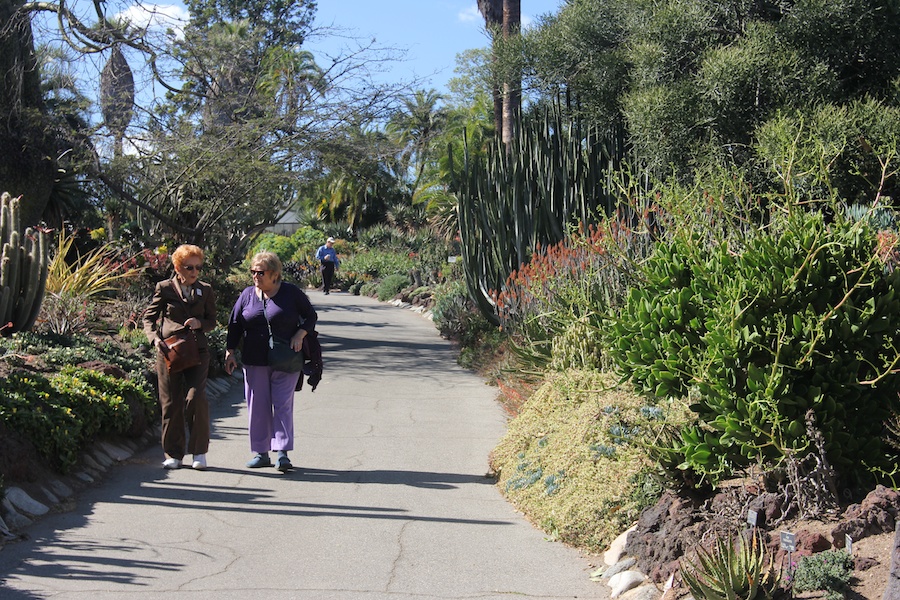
x=566, y=290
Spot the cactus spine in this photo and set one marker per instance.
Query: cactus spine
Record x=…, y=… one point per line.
x=23, y=269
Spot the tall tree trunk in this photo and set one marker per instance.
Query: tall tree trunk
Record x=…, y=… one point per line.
x=504, y=18
x=492, y=11
x=512, y=88
x=27, y=157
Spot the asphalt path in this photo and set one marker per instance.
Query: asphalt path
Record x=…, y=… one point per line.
x=390, y=497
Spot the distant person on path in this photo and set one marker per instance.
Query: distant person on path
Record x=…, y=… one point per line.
x=183, y=302
x=327, y=256
x=268, y=309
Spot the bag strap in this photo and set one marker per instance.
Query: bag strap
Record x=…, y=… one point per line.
x=268, y=322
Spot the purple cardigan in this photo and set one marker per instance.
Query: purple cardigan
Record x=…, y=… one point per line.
x=288, y=311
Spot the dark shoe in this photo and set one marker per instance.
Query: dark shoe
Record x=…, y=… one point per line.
x=326, y=292
x=260, y=460
x=284, y=463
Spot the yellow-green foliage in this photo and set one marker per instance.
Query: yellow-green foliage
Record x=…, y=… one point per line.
x=572, y=459
x=91, y=276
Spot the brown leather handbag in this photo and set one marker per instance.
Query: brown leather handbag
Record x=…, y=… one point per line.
x=180, y=351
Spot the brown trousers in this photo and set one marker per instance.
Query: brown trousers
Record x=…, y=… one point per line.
x=182, y=398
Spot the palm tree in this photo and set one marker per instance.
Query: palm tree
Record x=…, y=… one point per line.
x=415, y=127
x=503, y=19
x=291, y=77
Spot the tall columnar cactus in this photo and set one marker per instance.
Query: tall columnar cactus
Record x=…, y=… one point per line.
x=514, y=200
x=23, y=269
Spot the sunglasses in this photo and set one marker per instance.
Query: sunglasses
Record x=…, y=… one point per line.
x=257, y=273
x=191, y=267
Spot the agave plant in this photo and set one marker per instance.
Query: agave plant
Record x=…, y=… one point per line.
x=732, y=571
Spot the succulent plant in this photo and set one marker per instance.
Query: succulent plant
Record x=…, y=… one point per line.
x=23, y=269
x=732, y=571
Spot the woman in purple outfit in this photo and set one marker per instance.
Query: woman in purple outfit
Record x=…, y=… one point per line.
x=268, y=309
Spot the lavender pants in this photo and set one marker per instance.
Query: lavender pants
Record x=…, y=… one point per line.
x=270, y=402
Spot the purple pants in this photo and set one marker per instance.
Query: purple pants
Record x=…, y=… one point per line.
x=270, y=402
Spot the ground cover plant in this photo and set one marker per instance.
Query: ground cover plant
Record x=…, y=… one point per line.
x=575, y=459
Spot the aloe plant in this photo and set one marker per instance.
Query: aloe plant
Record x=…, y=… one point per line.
x=732, y=571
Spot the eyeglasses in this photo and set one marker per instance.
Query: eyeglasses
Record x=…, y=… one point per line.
x=191, y=267
x=257, y=273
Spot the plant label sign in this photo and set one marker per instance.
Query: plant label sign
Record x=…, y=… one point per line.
x=848, y=544
x=751, y=518
x=788, y=541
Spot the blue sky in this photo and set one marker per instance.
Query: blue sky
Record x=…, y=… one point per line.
x=432, y=32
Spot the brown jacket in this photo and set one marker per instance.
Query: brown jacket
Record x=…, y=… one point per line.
x=168, y=311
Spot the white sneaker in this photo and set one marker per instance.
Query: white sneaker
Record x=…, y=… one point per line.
x=171, y=463
x=199, y=462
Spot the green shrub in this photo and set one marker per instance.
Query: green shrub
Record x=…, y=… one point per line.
x=62, y=413
x=796, y=325
x=27, y=407
x=136, y=338
x=370, y=288
x=376, y=264
x=456, y=316
x=101, y=402
x=829, y=571
x=391, y=285
x=553, y=307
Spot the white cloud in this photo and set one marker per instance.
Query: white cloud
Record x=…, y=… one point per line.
x=469, y=14
x=156, y=16
x=472, y=15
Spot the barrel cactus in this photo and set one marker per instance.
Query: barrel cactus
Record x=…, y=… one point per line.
x=23, y=269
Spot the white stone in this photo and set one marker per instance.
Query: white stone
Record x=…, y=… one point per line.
x=12, y=516
x=20, y=499
x=4, y=530
x=622, y=565
x=102, y=458
x=617, y=548
x=624, y=581
x=61, y=489
x=117, y=453
x=643, y=592
x=91, y=464
x=50, y=495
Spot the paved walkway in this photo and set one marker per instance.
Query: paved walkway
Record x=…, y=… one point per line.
x=389, y=500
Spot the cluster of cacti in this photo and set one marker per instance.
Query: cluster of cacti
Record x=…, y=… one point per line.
x=578, y=348
x=23, y=269
x=517, y=199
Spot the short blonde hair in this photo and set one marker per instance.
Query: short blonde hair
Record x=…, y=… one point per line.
x=184, y=252
x=270, y=261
